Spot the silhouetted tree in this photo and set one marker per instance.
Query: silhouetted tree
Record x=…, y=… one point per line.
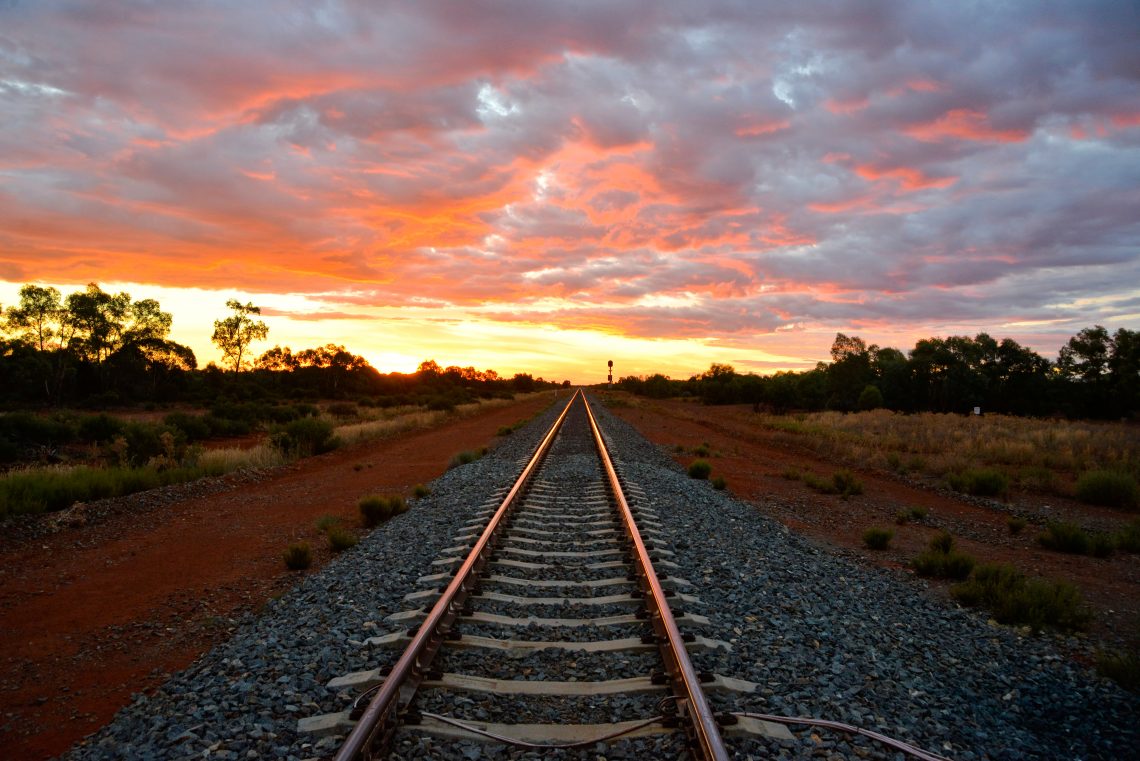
x=235, y=333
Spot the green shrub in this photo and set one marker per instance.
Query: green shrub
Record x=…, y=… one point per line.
x=305, y=437
x=340, y=539
x=1063, y=536
x=942, y=561
x=1128, y=538
x=504, y=430
x=918, y=513
x=702, y=450
x=49, y=489
x=1016, y=525
x=419, y=491
x=902, y=517
x=343, y=410
x=942, y=542
x=700, y=469
x=99, y=428
x=821, y=485
x=943, y=565
x=1122, y=668
x=1013, y=599
x=465, y=457
x=791, y=473
x=374, y=510
x=719, y=483
x=26, y=429
x=846, y=484
x=870, y=398
x=1108, y=488
x=878, y=538
x=298, y=556
x=326, y=522
x=193, y=427
x=981, y=482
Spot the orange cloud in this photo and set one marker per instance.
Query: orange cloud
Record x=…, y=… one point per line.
x=964, y=124
x=906, y=177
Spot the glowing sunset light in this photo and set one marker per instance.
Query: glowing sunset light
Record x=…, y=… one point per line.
x=542, y=186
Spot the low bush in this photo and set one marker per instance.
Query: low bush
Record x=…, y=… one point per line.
x=1016, y=525
x=1121, y=667
x=942, y=561
x=343, y=410
x=700, y=469
x=1062, y=536
x=918, y=513
x=465, y=457
x=943, y=542
x=504, y=430
x=878, y=538
x=374, y=510
x=340, y=538
x=1108, y=488
x=981, y=482
x=719, y=483
x=326, y=522
x=1128, y=538
x=902, y=517
x=99, y=428
x=298, y=556
x=419, y=491
x=846, y=484
x=1013, y=599
x=305, y=437
x=702, y=450
x=193, y=427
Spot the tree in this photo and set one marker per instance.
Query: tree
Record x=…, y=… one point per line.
x=37, y=318
x=234, y=334
x=97, y=320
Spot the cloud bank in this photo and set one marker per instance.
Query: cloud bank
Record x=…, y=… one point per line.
x=730, y=172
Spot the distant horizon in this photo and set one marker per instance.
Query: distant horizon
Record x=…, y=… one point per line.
x=548, y=186
x=198, y=339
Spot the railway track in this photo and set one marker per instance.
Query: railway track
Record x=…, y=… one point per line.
x=554, y=622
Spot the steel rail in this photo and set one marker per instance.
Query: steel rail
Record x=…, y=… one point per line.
x=378, y=722
x=702, y=729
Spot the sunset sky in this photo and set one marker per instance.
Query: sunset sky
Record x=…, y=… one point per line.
x=545, y=186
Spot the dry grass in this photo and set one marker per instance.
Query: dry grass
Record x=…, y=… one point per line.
x=217, y=462
x=937, y=445
x=403, y=419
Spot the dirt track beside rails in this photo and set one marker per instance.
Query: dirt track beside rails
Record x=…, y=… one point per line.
x=94, y=613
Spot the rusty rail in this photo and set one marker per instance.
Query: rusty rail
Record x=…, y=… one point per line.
x=701, y=727
x=378, y=722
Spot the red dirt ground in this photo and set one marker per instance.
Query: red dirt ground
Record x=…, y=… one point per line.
x=94, y=613
x=752, y=462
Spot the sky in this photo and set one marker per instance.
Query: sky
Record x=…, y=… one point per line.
x=545, y=186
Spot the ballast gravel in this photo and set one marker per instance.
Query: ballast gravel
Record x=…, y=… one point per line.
x=821, y=635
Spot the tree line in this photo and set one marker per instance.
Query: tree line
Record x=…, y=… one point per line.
x=99, y=349
x=1096, y=375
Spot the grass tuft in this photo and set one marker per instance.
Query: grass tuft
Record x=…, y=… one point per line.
x=878, y=538
x=298, y=556
x=1122, y=668
x=419, y=491
x=942, y=561
x=1016, y=525
x=340, y=538
x=719, y=483
x=700, y=469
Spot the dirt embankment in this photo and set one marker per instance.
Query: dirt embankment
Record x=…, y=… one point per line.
x=99, y=610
